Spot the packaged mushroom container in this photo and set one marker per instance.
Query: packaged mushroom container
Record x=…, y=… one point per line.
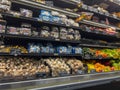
x=35, y=32
x=71, y=22
x=58, y=67
x=64, y=19
x=69, y=49
x=51, y=48
x=75, y=65
x=26, y=12
x=61, y=50
x=45, y=15
x=54, y=33
x=63, y=33
x=3, y=49
x=22, y=67
x=15, y=13
x=32, y=48
x=2, y=28
x=55, y=17
x=45, y=31
x=13, y=30
x=25, y=31
x=5, y=2
x=77, y=50
x=77, y=35
x=47, y=48
x=70, y=34
x=4, y=8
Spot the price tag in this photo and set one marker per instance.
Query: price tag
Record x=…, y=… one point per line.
x=39, y=20
x=49, y=3
x=101, y=13
x=41, y=74
x=57, y=39
x=15, y=52
x=63, y=74
x=56, y=54
x=84, y=6
x=80, y=72
x=17, y=16
x=87, y=56
x=93, y=71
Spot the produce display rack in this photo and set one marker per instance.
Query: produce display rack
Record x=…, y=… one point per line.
x=97, y=24
x=86, y=8
x=37, y=21
x=65, y=82
x=112, y=4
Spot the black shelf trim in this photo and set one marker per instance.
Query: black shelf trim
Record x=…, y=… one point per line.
x=34, y=4
x=42, y=54
x=56, y=40
x=51, y=23
x=97, y=46
x=98, y=24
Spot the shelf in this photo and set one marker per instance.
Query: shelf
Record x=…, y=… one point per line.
x=36, y=21
x=98, y=58
x=7, y=15
x=26, y=2
x=71, y=2
x=55, y=40
x=115, y=2
x=42, y=6
x=98, y=13
x=97, y=46
x=42, y=55
x=8, y=36
x=66, y=83
x=98, y=24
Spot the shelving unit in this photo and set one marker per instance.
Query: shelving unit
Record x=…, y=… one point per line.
x=66, y=82
x=98, y=24
x=42, y=6
x=98, y=13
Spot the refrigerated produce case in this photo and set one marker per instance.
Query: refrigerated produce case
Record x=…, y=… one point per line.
x=58, y=44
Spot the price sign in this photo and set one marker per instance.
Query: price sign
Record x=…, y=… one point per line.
x=87, y=56
x=56, y=54
x=41, y=74
x=39, y=20
x=57, y=39
x=80, y=72
x=17, y=16
x=63, y=74
x=15, y=52
x=93, y=71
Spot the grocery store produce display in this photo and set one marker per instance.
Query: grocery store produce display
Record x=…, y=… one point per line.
x=31, y=68
x=101, y=53
x=102, y=66
x=18, y=68
x=108, y=31
x=42, y=39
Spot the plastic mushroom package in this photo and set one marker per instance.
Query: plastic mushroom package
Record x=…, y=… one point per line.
x=5, y=5
x=58, y=67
